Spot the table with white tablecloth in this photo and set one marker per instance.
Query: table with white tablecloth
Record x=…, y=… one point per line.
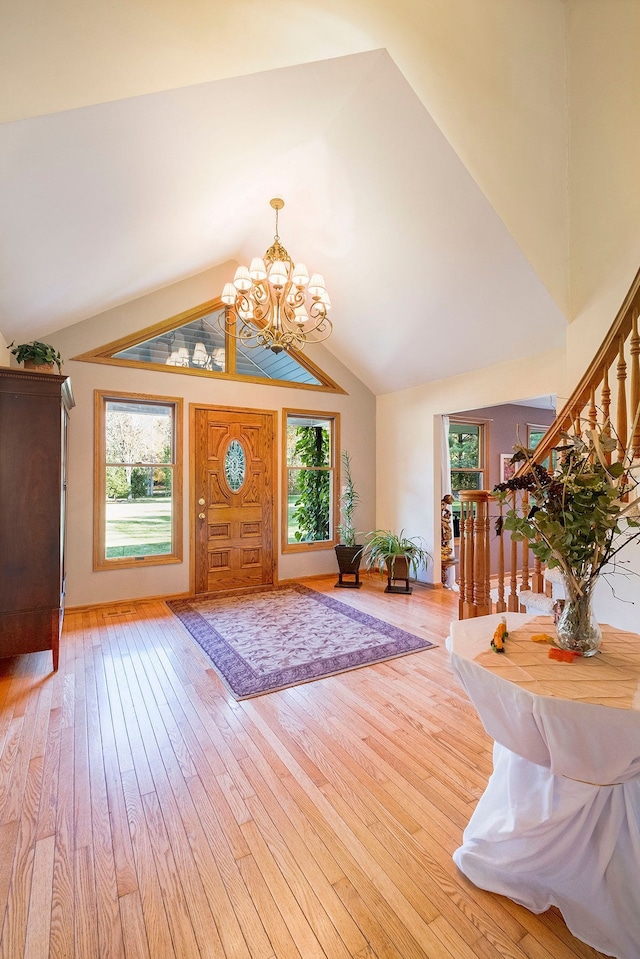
x=559, y=821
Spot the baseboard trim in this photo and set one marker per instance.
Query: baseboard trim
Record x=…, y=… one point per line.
x=296, y=579
x=123, y=603
x=89, y=607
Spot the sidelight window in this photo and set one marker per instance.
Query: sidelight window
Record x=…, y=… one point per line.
x=310, y=494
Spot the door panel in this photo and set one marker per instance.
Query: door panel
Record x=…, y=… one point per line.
x=234, y=498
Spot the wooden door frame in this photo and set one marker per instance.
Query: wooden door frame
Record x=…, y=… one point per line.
x=219, y=408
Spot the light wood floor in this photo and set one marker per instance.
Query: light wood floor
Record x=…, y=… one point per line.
x=145, y=814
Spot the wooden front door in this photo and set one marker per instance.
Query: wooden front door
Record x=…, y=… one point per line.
x=234, y=478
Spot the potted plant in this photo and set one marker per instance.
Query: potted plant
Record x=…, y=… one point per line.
x=37, y=356
x=397, y=555
x=348, y=552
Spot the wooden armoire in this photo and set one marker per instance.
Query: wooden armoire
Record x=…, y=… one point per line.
x=34, y=409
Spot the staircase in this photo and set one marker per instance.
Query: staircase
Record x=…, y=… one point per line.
x=607, y=396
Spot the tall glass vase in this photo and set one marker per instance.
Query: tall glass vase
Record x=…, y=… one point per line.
x=577, y=627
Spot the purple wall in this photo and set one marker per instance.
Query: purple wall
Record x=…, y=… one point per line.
x=505, y=425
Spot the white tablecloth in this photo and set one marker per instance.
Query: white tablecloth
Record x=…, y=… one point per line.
x=559, y=822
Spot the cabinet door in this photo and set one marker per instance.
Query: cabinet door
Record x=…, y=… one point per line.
x=63, y=503
x=33, y=411
x=29, y=501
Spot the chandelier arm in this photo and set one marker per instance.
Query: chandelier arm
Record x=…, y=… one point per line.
x=260, y=291
x=262, y=313
x=318, y=319
x=268, y=337
x=321, y=331
x=287, y=315
x=235, y=326
x=241, y=329
x=294, y=295
x=318, y=310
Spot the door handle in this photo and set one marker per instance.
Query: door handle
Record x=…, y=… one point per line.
x=201, y=515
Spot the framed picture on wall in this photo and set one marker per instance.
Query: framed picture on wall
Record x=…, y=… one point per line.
x=506, y=468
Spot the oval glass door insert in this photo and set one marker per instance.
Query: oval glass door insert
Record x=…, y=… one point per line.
x=235, y=465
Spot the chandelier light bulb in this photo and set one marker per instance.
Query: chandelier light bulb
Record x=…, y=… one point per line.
x=316, y=285
x=278, y=273
x=300, y=275
x=257, y=270
x=228, y=294
x=242, y=281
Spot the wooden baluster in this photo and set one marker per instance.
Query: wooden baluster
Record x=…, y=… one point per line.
x=468, y=608
x=576, y=417
x=537, y=577
x=470, y=560
x=606, y=406
x=487, y=556
x=481, y=592
x=593, y=413
x=478, y=557
x=635, y=387
x=512, y=604
x=462, y=578
x=476, y=565
x=621, y=405
x=501, y=606
x=525, y=551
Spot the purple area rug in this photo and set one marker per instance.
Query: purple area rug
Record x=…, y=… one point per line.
x=263, y=640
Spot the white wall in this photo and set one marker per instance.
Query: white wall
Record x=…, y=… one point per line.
x=5, y=355
x=357, y=410
x=492, y=73
x=616, y=599
x=408, y=438
x=603, y=39
x=604, y=156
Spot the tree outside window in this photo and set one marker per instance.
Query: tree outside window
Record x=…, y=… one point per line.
x=137, y=516
x=310, y=458
x=534, y=435
x=467, y=452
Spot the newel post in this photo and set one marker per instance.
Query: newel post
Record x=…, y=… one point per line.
x=475, y=566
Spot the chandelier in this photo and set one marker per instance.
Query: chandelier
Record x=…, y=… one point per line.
x=275, y=303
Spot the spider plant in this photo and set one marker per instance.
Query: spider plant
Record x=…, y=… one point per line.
x=384, y=548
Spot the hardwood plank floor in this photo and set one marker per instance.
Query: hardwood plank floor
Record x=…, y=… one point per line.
x=145, y=813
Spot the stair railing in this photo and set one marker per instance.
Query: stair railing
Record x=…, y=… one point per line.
x=607, y=397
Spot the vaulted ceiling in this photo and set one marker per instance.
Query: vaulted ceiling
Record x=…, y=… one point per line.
x=122, y=172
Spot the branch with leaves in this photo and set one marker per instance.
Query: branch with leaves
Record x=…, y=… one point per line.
x=582, y=512
x=348, y=503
